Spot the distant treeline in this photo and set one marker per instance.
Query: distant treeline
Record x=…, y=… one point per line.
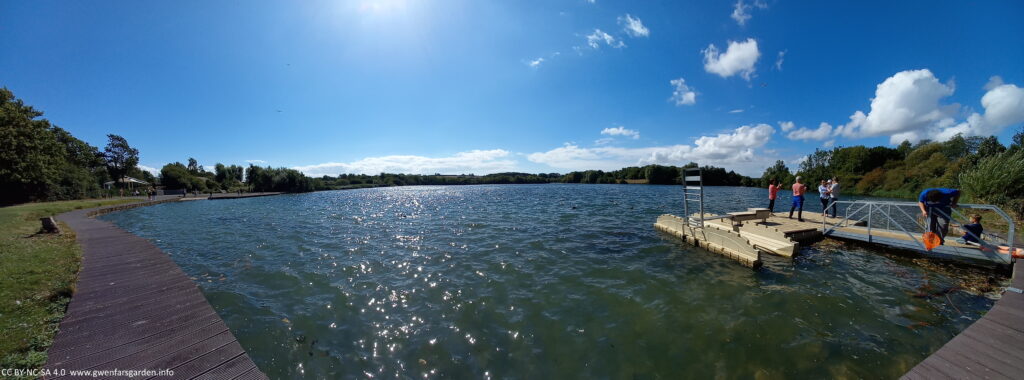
x=653, y=174
x=660, y=175
x=345, y=181
x=194, y=177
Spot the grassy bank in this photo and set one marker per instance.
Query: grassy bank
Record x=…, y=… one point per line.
x=37, y=277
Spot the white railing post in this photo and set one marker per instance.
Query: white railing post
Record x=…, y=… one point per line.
x=870, y=206
x=888, y=214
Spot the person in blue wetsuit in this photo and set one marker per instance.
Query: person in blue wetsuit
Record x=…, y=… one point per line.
x=936, y=205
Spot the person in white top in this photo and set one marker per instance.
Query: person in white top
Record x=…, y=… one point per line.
x=833, y=191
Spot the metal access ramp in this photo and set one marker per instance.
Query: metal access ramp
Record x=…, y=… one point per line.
x=896, y=224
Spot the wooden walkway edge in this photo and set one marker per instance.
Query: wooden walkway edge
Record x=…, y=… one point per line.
x=990, y=348
x=135, y=309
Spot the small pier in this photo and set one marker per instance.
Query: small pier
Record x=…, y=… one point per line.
x=745, y=235
x=742, y=235
x=991, y=348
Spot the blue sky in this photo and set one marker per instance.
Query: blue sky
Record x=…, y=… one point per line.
x=462, y=86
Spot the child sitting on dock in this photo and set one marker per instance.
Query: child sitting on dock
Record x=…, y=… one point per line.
x=972, y=231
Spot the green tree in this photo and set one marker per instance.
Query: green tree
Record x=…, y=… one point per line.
x=40, y=161
x=176, y=176
x=816, y=166
x=990, y=146
x=661, y=175
x=220, y=172
x=194, y=167
x=904, y=148
x=1017, y=142
x=779, y=171
x=120, y=156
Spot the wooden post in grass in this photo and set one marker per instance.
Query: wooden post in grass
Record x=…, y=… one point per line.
x=50, y=225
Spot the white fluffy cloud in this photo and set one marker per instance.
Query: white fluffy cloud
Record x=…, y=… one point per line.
x=256, y=161
x=595, y=39
x=150, y=169
x=735, y=147
x=823, y=132
x=474, y=161
x=739, y=58
x=1004, y=106
x=621, y=131
x=739, y=145
x=633, y=26
x=535, y=63
x=786, y=125
x=906, y=103
x=907, y=106
x=682, y=95
x=741, y=11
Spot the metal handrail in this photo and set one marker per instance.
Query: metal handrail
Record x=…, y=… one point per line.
x=873, y=206
x=845, y=219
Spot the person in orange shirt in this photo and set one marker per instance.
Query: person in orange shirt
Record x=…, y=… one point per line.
x=798, y=200
x=773, y=192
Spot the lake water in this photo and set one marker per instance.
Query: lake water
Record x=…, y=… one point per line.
x=542, y=281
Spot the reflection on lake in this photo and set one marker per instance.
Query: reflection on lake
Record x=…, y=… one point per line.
x=547, y=281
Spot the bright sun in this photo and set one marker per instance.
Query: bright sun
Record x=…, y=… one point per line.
x=382, y=6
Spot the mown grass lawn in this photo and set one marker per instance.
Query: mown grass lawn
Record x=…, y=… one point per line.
x=37, y=277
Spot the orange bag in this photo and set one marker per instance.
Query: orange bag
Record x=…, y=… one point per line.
x=931, y=240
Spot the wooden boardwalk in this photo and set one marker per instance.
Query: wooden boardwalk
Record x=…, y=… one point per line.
x=135, y=309
x=990, y=348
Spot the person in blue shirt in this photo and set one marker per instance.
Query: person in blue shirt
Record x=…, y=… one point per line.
x=936, y=205
x=972, y=231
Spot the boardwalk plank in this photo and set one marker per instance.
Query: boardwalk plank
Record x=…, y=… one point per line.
x=133, y=353
x=134, y=308
x=252, y=374
x=992, y=347
x=231, y=369
x=207, y=360
x=103, y=339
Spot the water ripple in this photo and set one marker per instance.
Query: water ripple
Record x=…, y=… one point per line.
x=540, y=281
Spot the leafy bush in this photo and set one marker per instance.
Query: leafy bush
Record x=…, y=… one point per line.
x=999, y=180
